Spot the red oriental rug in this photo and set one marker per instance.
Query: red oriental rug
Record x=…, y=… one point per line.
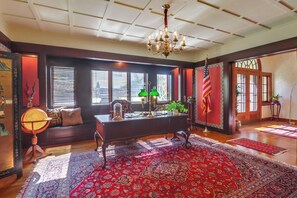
x=258, y=146
x=161, y=168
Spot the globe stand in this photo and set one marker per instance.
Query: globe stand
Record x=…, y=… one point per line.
x=32, y=149
x=34, y=121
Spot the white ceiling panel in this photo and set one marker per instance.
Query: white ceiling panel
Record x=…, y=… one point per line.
x=90, y=7
x=86, y=21
x=139, y=4
x=133, y=39
x=122, y=13
x=61, y=4
x=139, y=31
x=188, y=14
x=16, y=8
x=199, y=43
x=55, y=27
x=116, y=27
x=267, y=12
x=213, y=35
x=149, y=20
x=28, y=23
x=84, y=31
x=110, y=35
x=53, y=15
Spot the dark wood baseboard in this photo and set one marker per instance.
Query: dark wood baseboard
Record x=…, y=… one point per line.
x=292, y=121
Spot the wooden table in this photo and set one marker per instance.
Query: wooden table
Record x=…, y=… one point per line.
x=139, y=126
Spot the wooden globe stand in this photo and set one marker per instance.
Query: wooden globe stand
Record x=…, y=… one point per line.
x=43, y=124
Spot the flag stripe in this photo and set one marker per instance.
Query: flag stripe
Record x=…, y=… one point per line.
x=206, y=90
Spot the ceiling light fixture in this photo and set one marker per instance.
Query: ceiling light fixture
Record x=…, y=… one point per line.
x=163, y=44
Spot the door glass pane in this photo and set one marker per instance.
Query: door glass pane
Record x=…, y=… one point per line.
x=253, y=93
x=241, y=98
x=119, y=85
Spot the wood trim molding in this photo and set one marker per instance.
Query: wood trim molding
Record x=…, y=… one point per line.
x=88, y=54
x=5, y=40
x=260, y=51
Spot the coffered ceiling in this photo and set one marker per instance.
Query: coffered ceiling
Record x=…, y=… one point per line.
x=205, y=23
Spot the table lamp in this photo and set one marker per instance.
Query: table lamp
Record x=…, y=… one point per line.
x=143, y=94
x=153, y=94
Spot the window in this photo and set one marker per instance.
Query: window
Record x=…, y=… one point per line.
x=248, y=64
x=164, y=87
x=266, y=87
x=119, y=86
x=100, y=88
x=62, y=86
x=137, y=82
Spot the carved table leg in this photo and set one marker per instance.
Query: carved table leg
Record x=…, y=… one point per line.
x=96, y=137
x=185, y=135
x=174, y=136
x=104, y=146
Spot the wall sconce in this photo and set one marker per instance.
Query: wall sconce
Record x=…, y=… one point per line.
x=152, y=98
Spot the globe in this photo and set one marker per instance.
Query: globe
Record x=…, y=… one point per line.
x=34, y=119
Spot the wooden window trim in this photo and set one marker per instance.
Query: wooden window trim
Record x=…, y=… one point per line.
x=269, y=75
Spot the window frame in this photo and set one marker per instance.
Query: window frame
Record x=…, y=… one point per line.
x=51, y=87
x=269, y=87
x=127, y=84
x=109, y=87
x=145, y=82
x=169, y=87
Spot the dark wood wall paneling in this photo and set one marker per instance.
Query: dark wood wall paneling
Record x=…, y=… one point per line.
x=84, y=67
x=44, y=51
x=5, y=40
x=256, y=52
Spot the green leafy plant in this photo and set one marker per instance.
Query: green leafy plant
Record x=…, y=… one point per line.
x=275, y=97
x=176, y=106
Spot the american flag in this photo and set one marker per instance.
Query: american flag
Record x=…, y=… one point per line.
x=206, y=90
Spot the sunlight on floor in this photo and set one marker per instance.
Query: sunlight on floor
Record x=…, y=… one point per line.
x=282, y=130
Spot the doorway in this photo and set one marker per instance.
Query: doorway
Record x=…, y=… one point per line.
x=247, y=83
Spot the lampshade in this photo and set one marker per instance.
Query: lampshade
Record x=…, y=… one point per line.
x=142, y=93
x=154, y=92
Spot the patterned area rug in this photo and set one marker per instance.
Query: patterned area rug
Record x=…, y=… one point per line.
x=258, y=146
x=161, y=168
x=282, y=130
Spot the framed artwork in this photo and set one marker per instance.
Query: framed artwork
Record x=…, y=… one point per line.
x=10, y=104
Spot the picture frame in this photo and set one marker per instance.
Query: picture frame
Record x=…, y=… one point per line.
x=10, y=109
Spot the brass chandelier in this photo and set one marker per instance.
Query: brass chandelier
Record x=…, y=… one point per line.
x=164, y=44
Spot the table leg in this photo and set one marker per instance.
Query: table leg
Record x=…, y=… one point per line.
x=185, y=135
x=104, y=146
x=96, y=137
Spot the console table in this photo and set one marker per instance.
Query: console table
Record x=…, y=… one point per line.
x=109, y=130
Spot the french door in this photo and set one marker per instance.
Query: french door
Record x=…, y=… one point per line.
x=248, y=88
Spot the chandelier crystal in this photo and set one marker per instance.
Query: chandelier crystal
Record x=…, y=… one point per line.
x=163, y=44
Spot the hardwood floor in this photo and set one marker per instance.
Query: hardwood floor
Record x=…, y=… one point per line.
x=10, y=186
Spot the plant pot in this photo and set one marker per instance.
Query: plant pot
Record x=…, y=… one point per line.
x=175, y=112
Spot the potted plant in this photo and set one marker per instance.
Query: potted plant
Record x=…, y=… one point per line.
x=176, y=107
x=275, y=98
